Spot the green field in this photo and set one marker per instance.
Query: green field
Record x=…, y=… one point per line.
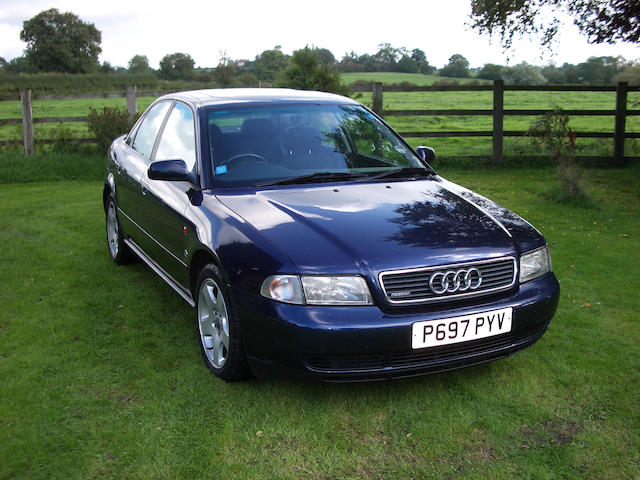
x=446, y=147
x=395, y=77
x=102, y=376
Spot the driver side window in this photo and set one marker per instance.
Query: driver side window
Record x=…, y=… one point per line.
x=178, y=140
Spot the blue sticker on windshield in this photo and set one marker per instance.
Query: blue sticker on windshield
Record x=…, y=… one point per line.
x=221, y=169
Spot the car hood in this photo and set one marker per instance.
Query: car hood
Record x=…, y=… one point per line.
x=371, y=227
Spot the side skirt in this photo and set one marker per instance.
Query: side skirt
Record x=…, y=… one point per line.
x=179, y=289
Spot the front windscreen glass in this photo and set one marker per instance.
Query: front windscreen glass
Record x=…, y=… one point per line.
x=265, y=145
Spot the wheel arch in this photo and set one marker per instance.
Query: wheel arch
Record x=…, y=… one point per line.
x=199, y=259
x=108, y=188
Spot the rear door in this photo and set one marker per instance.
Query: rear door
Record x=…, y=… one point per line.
x=133, y=162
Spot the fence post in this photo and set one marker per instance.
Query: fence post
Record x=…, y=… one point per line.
x=377, y=98
x=27, y=123
x=132, y=101
x=498, y=119
x=618, y=132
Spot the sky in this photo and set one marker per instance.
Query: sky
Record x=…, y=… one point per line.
x=242, y=29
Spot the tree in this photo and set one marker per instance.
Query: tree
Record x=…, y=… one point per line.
x=325, y=56
x=524, y=74
x=139, y=64
x=106, y=67
x=458, y=67
x=177, y=66
x=386, y=57
x=60, y=42
x=407, y=65
x=631, y=75
x=269, y=64
x=554, y=75
x=350, y=62
x=600, y=70
x=16, y=65
x=225, y=72
x=421, y=59
x=491, y=71
x=306, y=72
x=603, y=21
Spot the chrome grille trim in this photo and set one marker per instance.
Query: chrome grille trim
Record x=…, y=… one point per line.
x=497, y=274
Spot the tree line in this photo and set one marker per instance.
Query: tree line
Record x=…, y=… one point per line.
x=62, y=42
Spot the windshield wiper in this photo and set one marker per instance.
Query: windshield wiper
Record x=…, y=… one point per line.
x=318, y=177
x=409, y=173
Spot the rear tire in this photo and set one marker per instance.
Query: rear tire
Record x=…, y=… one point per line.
x=118, y=250
x=218, y=327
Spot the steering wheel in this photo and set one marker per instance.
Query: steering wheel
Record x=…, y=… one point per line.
x=248, y=157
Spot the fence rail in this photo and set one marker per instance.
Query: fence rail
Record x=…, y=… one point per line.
x=498, y=112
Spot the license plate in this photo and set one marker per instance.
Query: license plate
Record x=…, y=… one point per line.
x=434, y=333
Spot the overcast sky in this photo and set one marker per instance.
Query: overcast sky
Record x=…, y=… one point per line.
x=243, y=29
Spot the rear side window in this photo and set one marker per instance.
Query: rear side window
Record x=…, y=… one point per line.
x=148, y=130
x=178, y=137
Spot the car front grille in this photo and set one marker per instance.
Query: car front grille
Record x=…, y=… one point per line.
x=412, y=286
x=428, y=360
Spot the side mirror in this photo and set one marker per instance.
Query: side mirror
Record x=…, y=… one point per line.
x=427, y=154
x=172, y=170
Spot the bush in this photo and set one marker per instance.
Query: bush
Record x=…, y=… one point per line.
x=108, y=124
x=551, y=133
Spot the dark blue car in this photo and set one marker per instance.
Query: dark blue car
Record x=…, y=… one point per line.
x=313, y=240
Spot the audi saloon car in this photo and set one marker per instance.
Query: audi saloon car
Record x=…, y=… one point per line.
x=311, y=240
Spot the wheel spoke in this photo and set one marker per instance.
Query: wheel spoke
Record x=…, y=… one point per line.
x=224, y=339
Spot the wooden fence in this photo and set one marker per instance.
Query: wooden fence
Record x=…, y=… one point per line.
x=498, y=112
x=28, y=137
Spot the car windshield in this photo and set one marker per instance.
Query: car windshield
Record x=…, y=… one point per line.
x=267, y=145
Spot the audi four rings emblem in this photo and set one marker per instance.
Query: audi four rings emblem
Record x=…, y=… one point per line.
x=455, y=281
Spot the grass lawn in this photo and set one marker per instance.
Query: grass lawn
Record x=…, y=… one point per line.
x=397, y=77
x=102, y=376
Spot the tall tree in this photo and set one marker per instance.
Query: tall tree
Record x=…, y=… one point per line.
x=269, y=64
x=458, y=66
x=491, y=71
x=225, y=72
x=306, y=72
x=603, y=21
x=177, y=66
x=421, y=59
x=523, y=74
x=325, y=56
x=139, y=64
x=60, y=42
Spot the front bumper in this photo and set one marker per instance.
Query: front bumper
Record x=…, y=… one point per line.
x=366, y=343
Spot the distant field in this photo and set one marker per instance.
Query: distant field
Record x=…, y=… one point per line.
x=393, y=77
x=445, y=147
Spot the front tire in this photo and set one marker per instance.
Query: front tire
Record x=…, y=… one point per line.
x=218, y=327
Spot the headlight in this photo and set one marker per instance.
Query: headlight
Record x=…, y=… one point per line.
x=336, y=290
x=534, y=264
x=317, y=290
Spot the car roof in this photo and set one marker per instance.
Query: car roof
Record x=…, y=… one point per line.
x=229, y=96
